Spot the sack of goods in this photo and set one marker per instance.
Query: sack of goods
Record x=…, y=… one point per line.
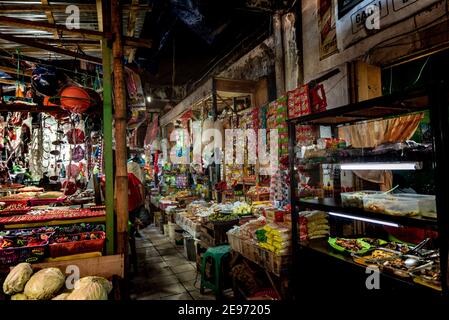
x=313, y=225
x=275, y=238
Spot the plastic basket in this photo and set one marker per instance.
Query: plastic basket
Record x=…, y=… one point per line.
x=12, y=256
x=234, y=242
x=76, y=247
x=30, y=254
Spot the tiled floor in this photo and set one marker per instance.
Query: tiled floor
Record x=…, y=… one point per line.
x=164, y=272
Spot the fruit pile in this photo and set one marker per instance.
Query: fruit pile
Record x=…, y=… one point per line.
x=219, y=216
x=242, y=209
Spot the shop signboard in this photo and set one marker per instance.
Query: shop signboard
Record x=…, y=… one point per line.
x=368, y=17
x=326, y=25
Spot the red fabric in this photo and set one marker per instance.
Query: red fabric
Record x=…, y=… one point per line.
x=156, y=160
x=134, y=196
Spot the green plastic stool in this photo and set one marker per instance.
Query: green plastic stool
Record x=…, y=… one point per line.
x=217, y=254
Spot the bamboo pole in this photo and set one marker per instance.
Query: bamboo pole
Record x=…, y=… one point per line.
x=107, y=133
x=43, y=46
x=61, y=7
x=121, y=173
x=61, y=29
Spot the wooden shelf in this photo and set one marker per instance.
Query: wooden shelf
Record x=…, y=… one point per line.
x=334, y=205
x=377, y=108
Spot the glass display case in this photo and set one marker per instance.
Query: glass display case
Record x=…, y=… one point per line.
x=368, y=194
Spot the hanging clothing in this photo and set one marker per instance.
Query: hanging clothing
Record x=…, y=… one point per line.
x=135, y=197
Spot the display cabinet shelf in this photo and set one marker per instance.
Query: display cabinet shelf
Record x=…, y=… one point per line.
x=320, y=246
x=381, y=107
x=334, y=205
x=430, y=156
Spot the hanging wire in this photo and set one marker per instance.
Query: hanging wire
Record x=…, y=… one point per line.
x=420, y=72
x=391, y=78
x=174, y=69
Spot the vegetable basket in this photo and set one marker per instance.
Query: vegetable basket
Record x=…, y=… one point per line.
x=64, y=245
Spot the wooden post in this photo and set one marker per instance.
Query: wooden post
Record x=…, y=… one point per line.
x=279, y=55
x=121, y=174
x=107, y=129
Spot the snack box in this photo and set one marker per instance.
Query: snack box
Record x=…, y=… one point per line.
x=426, y=203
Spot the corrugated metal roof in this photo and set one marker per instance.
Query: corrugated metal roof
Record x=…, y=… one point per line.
x=35, y=12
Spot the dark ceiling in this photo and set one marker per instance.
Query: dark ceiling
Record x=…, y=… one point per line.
x=191, y=36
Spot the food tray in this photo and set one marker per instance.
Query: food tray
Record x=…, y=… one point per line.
x=391, y=205
x=76, y=247
x=42, y=202
x=13, y=212
x=23, y=202
x=365, y=246
x=64, y=215
x=355, y=199
x=426, y=203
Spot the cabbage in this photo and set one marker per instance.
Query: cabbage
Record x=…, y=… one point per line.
x=62, y=296
x=19, y=296
x=86, y=281
x=44, y=284
x=91, y=288
x=17, y=278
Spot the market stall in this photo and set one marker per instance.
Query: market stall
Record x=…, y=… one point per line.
x=56, y=153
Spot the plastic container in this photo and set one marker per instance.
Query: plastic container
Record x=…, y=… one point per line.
x=391, y=205
x=426, y=203
x=179, y=238
x=77, y=247
x=189, y=246
x=355, y=199
x=171, y=230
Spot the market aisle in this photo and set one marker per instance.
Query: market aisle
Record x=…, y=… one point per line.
x=164, y=272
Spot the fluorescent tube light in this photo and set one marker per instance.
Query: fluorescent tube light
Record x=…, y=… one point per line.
x=381, y=166
x=384, y=223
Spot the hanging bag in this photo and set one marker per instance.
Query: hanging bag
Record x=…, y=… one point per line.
x=78, y=154
x=75, y=136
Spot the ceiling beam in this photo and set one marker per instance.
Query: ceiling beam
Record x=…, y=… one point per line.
x=85, y=33
x=11, y=82
x=99, y=5
x=57, y=7
x=14, y=57
x=39, y=45
x=131, y=28
x=50, y=17
x=14, y=71
x=64, y=41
